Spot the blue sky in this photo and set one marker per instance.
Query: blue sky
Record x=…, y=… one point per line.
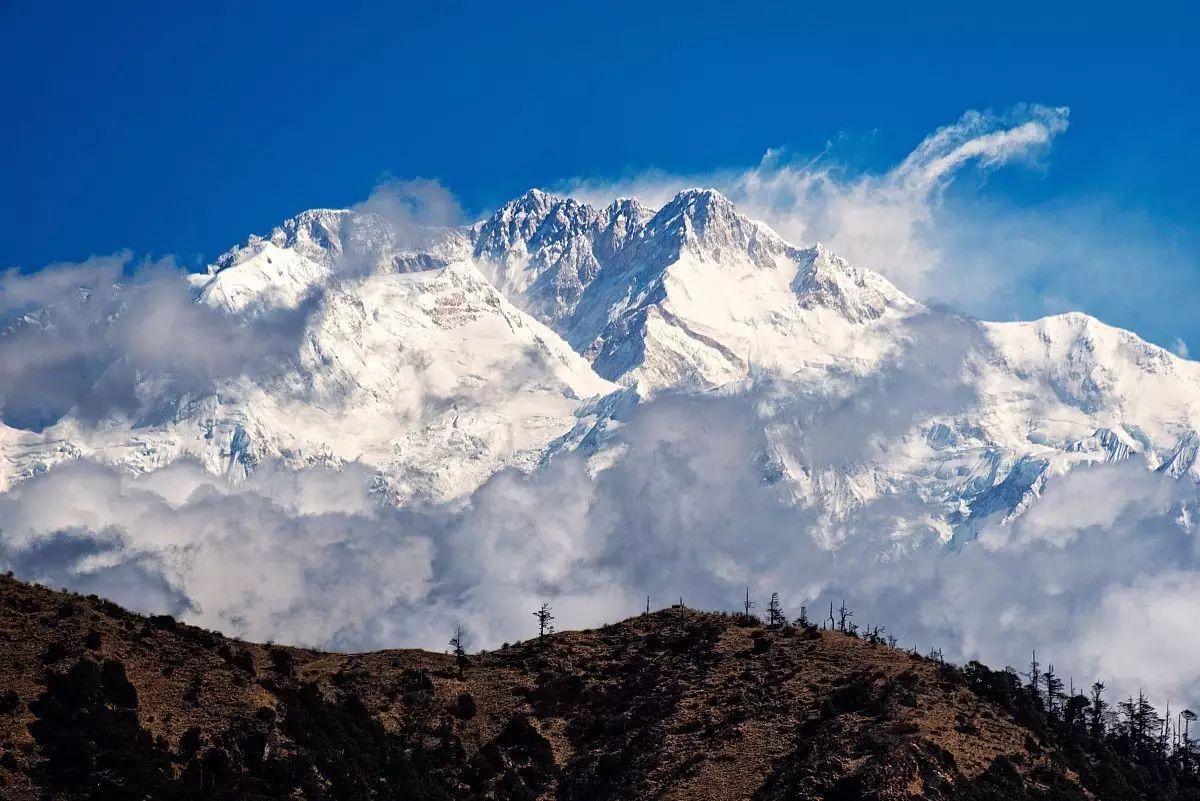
x=168, y=131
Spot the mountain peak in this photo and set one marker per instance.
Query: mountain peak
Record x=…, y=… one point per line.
x=534, y=200
x=700, y=205
x=702, y=195
x=705, y=224
x=829, y=281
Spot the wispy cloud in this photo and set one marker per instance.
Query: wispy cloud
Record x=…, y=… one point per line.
x=882, y=221
x=974, y=251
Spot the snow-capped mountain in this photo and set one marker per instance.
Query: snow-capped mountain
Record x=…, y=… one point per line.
x=437, y=356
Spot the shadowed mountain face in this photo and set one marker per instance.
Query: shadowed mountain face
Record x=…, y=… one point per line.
x=99, y=703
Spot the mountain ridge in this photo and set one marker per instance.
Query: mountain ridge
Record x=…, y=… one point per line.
x=690, y=298
x=97, y=702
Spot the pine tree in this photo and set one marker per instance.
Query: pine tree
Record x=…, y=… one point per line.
x=1139, y=724
x=1096, y=728
x=775, y=616
x=1187, y=747
x=1054, y=689
x=1035, y=679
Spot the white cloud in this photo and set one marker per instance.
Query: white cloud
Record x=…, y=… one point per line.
x=882, y=221
x=84, y=336
x=980, y=254
x=1099, y=577
x=307, y=558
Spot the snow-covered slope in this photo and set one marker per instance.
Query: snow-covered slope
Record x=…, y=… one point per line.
x=307, y=250
x=431, y=378
x=688, y=297
x=438, y=356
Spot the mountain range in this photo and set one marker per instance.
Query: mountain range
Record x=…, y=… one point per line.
x=436, y=356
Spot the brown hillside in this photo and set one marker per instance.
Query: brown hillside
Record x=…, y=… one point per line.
x=677, y=704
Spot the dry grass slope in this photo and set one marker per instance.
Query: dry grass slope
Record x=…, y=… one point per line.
x=677, y=704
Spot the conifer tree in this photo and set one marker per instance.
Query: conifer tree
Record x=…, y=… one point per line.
x=1035, y=679
x=544, y=617
x=1054, y=690
x=1096, y=727
x=1187, y=747
x=775, y=616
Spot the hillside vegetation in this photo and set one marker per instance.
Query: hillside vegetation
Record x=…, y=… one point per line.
x=100, y=703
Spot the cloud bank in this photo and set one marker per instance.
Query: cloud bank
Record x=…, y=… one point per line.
x=1102, y=575
x=108, y=337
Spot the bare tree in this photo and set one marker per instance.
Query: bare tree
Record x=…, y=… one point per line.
x=844, y=614
x=748, y=604
x=829, y=620
x=544, y=617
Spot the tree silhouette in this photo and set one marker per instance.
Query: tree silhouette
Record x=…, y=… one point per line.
x=775, y=615
x=1054, y=689
x=1187, y=748
x=748, y=604
x=458, y=643
x=544, y=617
x=1035, y=680
x=844, y=615
x=1140, y=721
x=1099, y=705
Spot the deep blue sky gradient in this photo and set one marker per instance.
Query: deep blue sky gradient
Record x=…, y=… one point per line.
x=172, y=128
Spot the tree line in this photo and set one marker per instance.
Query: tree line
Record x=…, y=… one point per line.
x=1089, y=727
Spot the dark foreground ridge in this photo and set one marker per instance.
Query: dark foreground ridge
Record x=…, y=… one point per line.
x=100, y=703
